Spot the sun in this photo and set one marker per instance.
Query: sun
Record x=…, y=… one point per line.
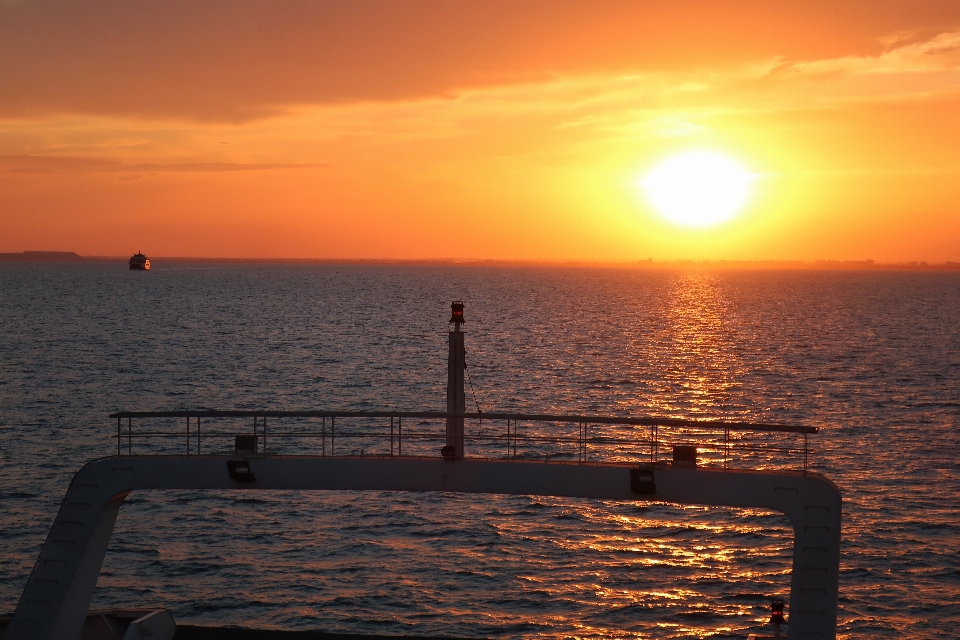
x=698, y=188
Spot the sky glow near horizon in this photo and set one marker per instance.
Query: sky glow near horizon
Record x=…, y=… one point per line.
x=476, y=130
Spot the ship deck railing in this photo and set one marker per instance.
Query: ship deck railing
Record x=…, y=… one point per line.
x=577, y=439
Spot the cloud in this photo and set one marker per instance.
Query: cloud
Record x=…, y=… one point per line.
x=936, y=54
x=54, y=164
x=242, y=60
x=910, y=69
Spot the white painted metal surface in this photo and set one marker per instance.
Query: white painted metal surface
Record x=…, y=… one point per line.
x=58, y=592
x=158, y=625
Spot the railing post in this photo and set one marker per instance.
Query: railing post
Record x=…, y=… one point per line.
x=333, y=435
x=118, y=436
x=400, y=436
x=264, y=435
x=391, y=436
x=188, y=435
x=583, y=442
x=129, y=436
x=726, y=446
x=656, y=443
x=198, y=435
x=323, y=437
x=652, y=459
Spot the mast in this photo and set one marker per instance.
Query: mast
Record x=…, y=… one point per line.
x=456, y=400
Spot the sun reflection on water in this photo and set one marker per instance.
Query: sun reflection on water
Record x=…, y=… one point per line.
x=701, y=365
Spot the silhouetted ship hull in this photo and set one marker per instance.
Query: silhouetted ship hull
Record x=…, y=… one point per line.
x=139, y=262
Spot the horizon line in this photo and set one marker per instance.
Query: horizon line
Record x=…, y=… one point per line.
x=868, y=264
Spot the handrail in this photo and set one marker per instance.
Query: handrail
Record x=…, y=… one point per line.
x=714, y=438
x=646, y=421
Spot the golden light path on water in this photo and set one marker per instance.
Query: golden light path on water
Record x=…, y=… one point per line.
x=704, y=359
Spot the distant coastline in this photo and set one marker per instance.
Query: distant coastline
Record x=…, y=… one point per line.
x=43, y=256
x=844, y=265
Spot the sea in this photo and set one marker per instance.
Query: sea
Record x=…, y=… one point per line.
x=871, y=358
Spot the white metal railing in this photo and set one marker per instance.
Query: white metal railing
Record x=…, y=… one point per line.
x=517, y=436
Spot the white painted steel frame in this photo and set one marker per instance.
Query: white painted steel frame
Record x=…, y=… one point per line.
x=58, y=593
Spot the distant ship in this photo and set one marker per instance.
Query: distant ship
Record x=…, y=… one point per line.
x=139, y=262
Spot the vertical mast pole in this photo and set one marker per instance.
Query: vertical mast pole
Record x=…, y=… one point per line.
x=456, y=399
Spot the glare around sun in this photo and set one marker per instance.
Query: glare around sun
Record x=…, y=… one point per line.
x=698, y=188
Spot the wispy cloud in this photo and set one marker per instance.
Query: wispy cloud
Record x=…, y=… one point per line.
x=934, y=55
x=54, y=164
x=908, y=70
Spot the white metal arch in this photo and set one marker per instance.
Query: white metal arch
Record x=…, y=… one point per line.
x=58, y=593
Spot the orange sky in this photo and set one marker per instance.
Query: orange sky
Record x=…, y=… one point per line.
x=460, y=129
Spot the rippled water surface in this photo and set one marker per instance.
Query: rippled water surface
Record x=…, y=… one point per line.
x=873, y=357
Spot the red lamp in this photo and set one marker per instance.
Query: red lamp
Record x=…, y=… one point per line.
x=776, y=616
x=457, y=312
x=776, y=611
